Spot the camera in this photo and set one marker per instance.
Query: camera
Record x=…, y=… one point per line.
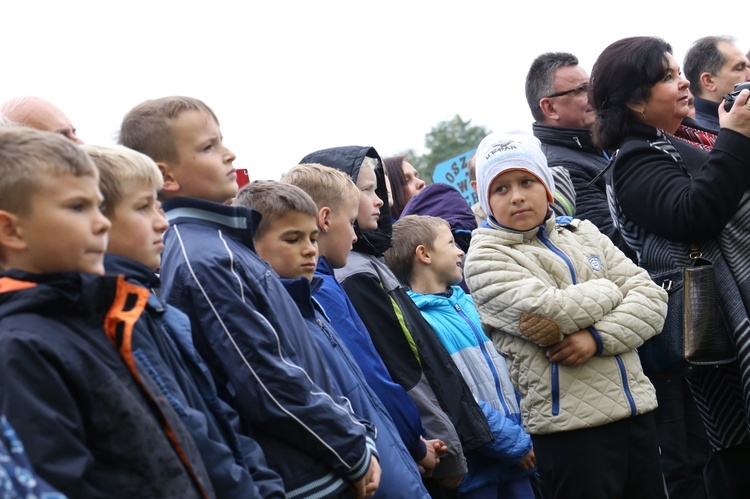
x=729, y=98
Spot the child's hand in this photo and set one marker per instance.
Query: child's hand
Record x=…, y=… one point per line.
x=435, y=449
x=367, y=485
x=528, y=461
x=575, y=349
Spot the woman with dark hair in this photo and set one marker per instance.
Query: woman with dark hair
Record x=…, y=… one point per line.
x=404, y=181
x=666, y=194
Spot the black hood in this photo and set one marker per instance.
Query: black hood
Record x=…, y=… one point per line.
x=348, y=159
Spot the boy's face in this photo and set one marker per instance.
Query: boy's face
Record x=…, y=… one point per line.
x=290, y=245
x=203, y=168
x=340, y=235
x=446, y=258
x=369, y=202
x=64, y=231
x=518, y=200
x=137, y=225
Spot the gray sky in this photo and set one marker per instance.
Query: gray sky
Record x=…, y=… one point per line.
x=288, y=78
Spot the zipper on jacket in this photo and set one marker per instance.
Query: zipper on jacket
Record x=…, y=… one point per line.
x=555, y=371
x=326, y=332
x=544, y=237
x=487, y=357
x=555, y=389
x=625, y=386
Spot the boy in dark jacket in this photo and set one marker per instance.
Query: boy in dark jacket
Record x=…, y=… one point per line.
x=337, y=199
x=288, y=238
x=162, y=342
x=89, y=426
x=244, y=323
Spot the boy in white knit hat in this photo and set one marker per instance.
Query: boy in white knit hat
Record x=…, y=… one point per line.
x=568, y=310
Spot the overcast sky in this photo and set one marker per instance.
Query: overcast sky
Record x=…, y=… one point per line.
x=288, y=78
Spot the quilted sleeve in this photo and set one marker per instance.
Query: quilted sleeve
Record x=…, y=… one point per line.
x=642, y=311
x=505, y=290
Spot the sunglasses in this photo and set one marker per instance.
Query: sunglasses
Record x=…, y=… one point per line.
x=575, y=91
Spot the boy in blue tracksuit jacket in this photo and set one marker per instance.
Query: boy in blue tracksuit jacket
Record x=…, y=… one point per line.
x=244, y=324
x=288, y=238
x=337, y=199
x=425, y=257
x=162, y=343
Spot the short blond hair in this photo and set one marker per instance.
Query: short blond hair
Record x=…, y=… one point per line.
x=28, y=157
x=326, y=186
x=408, y=233
x=147, y=127
x=272, y=199
x=118, y=166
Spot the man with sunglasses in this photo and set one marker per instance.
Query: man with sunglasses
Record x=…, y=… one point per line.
x=557, y=94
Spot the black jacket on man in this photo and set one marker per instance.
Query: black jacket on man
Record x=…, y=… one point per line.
x=574, y=149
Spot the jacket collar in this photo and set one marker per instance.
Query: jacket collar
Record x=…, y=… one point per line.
x=63, y=293
x=238, y=221
x=134, y=271
x=573, y=138
x=301, y=290
x=324, y=267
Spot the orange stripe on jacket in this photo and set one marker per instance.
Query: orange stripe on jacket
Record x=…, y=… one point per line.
x=129, y=303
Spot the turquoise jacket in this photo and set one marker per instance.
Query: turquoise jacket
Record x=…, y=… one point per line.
x=455, y=320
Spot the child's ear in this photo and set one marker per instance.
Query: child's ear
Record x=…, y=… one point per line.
x=11, y=234
x=422, y=254
x=324, y=219
x=170, y=182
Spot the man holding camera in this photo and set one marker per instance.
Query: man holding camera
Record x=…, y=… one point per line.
x=713, y=65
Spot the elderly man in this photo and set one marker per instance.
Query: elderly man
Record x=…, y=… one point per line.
x=713, y=65
x=35, y=112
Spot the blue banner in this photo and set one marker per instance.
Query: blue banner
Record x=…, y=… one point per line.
x=455, y=172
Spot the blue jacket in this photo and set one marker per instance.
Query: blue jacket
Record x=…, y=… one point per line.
x=162, y=345
x=352, y=330
x=456, y=322
x=400, y=476
x=255, y=342
x=81, y=405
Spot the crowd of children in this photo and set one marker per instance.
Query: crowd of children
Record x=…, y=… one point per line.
x=164, y=334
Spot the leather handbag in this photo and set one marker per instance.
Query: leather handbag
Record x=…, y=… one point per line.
x=695, y=330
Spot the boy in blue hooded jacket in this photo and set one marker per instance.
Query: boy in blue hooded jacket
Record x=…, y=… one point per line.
x=425, y=257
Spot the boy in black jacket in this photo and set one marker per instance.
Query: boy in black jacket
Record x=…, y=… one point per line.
x=89, y=427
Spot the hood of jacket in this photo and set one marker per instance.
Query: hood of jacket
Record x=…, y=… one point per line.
x=445, y=201
x=348, y=159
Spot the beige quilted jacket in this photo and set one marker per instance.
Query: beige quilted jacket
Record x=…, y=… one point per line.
x=513, y=275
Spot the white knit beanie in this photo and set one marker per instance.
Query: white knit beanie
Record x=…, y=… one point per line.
x=501, y=152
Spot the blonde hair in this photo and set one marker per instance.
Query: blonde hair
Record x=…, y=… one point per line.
x=28, y=157
x=369, y=162
x=147, y=127
x=326, y=186
x=272, y=199
x=408, y=233
x=118, y=166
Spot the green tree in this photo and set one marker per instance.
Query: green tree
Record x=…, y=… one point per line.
x=447, y=139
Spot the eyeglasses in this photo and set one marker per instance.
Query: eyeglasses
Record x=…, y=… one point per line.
x=576, y=91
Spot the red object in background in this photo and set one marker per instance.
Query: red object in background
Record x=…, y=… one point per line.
x=243, y=177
